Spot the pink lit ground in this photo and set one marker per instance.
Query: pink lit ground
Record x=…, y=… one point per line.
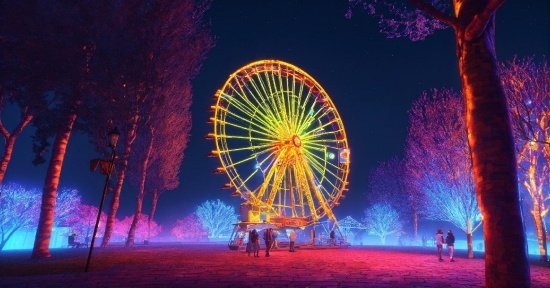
x=209, y=265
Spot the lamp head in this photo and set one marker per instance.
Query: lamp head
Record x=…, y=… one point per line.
x=113, y=137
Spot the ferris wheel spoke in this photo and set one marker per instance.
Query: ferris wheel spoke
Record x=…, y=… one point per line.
x=314, y=133
x=265, y=100
x=313, y=158
x=318, y=194
x=249, y=111
x=306, y=117
x=228, y=136
x=276, y=184
x=306, y=190
x=322, y=172
x=272, y=170
x=318, y=146
x=266, y=113
x=248, y=129
x=247, y=148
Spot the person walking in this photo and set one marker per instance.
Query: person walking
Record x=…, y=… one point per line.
x=450, y=244
x=292, y=238
x=439, y=243
x=268, y=239
x=332, y=238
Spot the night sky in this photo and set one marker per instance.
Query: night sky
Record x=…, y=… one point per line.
x=371, y=80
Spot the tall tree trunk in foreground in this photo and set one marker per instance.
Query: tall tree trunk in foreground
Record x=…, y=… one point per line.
x=45, y=223
x=490, y=139
x=141, y=194
x=493, y=154
x=115, y=201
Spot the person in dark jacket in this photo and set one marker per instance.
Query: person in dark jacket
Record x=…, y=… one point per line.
x=268, y=239
x=450, y=240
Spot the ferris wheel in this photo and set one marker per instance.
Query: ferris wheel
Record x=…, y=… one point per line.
x=281, y=142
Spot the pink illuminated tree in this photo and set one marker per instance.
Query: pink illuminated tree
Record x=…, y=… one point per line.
x=527, y=85
x=82, y=222
x=488, y=124
x=439, y=163
x=382, y=220
x=122, y=227
x=189, y=227
x=216, y=217
x=19, y=208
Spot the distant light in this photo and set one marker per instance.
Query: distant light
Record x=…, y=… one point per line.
x=331, y=155
x=311, y=112
x=257, y=166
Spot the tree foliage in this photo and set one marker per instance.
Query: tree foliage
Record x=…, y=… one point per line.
x=82, y=222
x=19, y=208
x=382, y=220
x=189, y=227
x=122, y=227
x=216, y=217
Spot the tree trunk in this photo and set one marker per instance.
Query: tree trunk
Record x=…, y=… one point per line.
x=153, y=210
x=541, y=231
x=45, y=223
x=493, y=158
x=9, y=142
x=141, y=194
x=115, y=201
x=415, y=223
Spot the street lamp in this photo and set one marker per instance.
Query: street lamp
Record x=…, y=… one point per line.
x=112, y=140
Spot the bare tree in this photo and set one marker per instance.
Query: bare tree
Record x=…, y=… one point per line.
x=439, y=162
x=382, y=220
x=527, y=86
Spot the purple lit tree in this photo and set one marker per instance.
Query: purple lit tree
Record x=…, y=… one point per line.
x=82, y=222
x=488, y=122
x=527, y=86
x=122, y=227
x=216, y=217
x=439, y=163
x=189, y=227
x=19, y=208
x=382, y=220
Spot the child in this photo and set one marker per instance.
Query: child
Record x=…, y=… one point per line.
x=450, y=244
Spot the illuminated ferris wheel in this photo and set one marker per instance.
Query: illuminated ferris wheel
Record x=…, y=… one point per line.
x=281, y=142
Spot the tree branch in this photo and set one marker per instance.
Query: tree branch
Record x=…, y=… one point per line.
x=432, y=11
x=477, y=25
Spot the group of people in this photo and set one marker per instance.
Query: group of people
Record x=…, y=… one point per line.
x=269, y=237
x=449, y=240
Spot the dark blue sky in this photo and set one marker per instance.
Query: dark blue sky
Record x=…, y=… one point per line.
x=371, y=80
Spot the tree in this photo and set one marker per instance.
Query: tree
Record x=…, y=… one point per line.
x=387, y=185
x=527, y=87
x=122, y=227
x=19, y=208
x=82, y=221
x=439, y=163
x=189, y=227
x=488, y=124
x=167, y=117
x=382, y=220
x=216, y=217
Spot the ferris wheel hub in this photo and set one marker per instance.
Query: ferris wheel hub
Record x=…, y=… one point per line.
x=296, y=141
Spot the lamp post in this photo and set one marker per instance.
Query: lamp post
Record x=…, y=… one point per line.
x=112, y=138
